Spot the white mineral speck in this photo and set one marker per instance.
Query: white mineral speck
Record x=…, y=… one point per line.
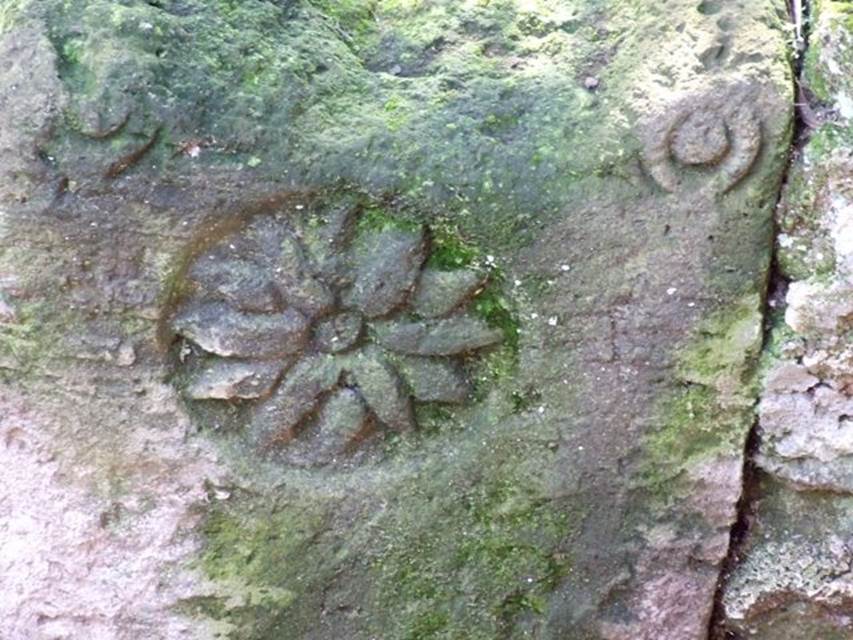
x=671, y=291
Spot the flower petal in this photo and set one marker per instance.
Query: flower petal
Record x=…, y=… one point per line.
x=325, y=236
x=451, y=336
x=306, y=293
x=435, y=379
x=383, y=390
x=239, y=282
x=343, y=420
x=387, y=264
x=276, y=421
x=440, y=292
x=299, y=287
x=218, y=328
x=233, y=379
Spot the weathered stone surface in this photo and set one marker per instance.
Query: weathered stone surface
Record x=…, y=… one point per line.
x=790, y=377
x=808, y=438
x=806, y=425
x=339, y=332
x=826, y=72
x=793, y=575
x=219, y=329
x=570, y=151
x=383, y=389
x=299, y=394
x=342, y=424
x=238, y=282
x=294, y=253
x=435, y=380
x=721, y=133
x=795, y=578
x=228, y=380
x=32, y=99
x=386, y=270
x=299, y=286
x=86, y=550
x=440, y=292
x=439, y=338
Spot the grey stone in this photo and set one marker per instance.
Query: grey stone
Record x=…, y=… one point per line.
x=796, y=576
x=383, y=390
x=229, y=380
x=793, y=575
x=588, y=492
x=450, y=336
x=219, y=329
x=789, y=377
x=277, y=420
x=387, y=264
x=435, y=379
x=341, y=426
x=440, y=292
x=808, y=437
x=339, y=332
x=239, y=282
x=298, y=285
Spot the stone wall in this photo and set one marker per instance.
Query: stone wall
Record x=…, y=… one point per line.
x=794, y=577
x=411, y=319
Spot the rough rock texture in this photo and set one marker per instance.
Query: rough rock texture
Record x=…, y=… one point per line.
x=794, y=578
x=609, y=169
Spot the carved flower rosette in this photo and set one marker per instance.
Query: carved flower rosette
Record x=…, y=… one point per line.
x=327, y=330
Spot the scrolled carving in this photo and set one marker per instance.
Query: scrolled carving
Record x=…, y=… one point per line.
x=710, y=143
x=330, y=330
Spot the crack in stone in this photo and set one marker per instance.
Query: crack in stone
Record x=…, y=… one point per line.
x=799, y=13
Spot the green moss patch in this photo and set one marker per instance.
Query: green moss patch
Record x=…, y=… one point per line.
x=692, y=428
x=450, y=551
x=33, y=338
x=258, y=554
x=726, y=347
x=711, y=413
x=472, y=555
x=448, y=105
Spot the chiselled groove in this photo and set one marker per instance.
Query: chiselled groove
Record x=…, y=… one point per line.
x=130, y=159
x=110, y=130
